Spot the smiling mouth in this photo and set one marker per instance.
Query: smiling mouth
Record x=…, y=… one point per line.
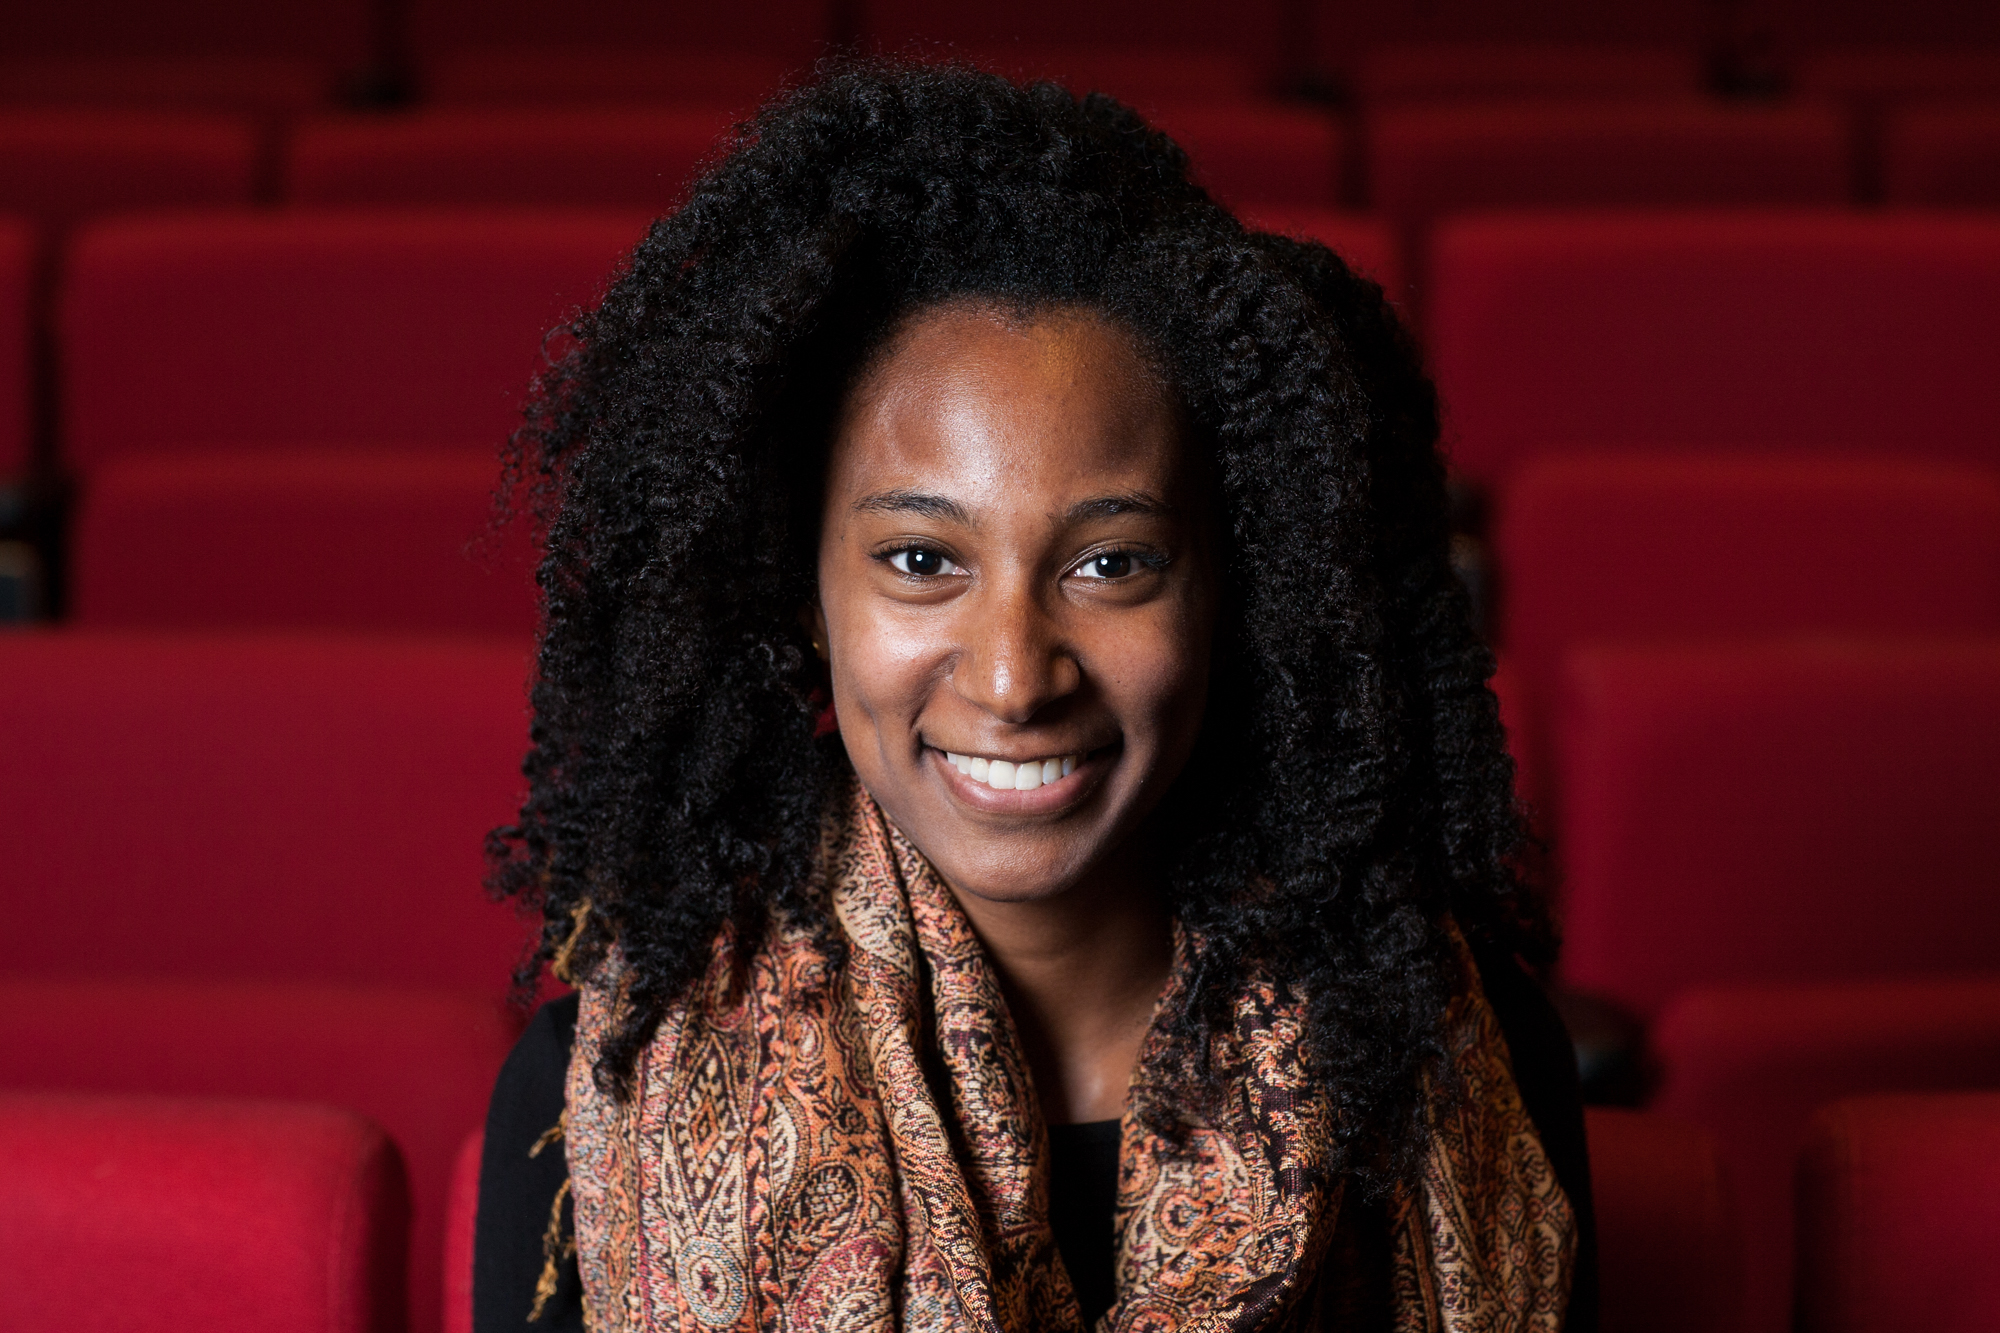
x=1007, y=775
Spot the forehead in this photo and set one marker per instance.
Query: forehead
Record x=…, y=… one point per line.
x=1000, y=407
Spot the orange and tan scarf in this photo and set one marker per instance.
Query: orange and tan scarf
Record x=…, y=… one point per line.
x=811, y=1152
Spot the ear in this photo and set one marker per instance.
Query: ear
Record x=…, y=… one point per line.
x=812, y=618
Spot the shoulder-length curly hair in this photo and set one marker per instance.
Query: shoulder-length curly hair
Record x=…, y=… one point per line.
x=1354, y=789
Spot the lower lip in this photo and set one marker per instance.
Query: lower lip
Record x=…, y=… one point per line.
x=1064, y=794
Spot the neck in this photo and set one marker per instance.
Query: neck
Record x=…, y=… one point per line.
x=1082, y=971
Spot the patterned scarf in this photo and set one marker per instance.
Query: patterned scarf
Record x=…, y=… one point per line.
x=862, y=1150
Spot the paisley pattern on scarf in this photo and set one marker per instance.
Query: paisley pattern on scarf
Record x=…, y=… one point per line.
x=811, y=1150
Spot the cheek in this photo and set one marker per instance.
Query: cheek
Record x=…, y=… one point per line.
x=1158, y=679
x=881, y=661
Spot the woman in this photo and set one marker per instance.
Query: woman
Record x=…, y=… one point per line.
x=1012, y=776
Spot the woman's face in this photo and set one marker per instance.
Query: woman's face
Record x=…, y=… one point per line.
x=1017, y=593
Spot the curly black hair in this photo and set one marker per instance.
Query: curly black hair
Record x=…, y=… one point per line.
x=677, y=443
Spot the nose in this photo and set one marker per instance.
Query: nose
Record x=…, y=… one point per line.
x=1013, y=660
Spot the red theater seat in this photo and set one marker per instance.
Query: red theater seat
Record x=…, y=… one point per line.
x=337, y=34
x=1142, y=77
x=460, y=1225
x=794, y=31
x=1877, y=73
x=256, y=85
x=1666, y=1235
x=1943, y=155
x=1899, y=1212
x=1785, y=811
x=730, y=79
x=17, y=268
x=1250, y=155
x=144, y=1216
x=1161, y=46
x=1651, y=548
x=419, y=1062
x=1365, y=242
x=1750, y=1064
x=1428, y=161
x=304, y=539
x=640, y=158
x=270, y=808
x=59, y=166
x=321, y=329
x=1520, y=69
x=1755, y=331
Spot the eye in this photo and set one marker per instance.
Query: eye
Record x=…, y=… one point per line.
x=922, y=562
x=1109, y=565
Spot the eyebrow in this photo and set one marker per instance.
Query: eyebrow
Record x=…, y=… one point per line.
x=914, y=502
x=1111, y=506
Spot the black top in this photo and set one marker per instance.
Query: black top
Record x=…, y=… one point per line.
x=516, y=1191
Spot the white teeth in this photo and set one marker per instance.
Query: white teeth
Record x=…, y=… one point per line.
x=1006, y=775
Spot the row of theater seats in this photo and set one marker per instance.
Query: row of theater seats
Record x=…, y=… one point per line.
x=1412, y=163
x=1787, y=331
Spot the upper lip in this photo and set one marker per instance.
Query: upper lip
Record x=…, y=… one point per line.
x=1018, y=756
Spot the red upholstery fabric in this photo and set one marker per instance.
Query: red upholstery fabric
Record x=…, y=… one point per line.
x=17, y=269
x=1777, y=812
x=641, y=158
x=59, y=166
x=1749, y=1063
x=1879, y=72
x=1249, y=155
x=1944, y=155
x=1522, y=69
x=1146, y=77
x=150, y=1216
x=1614, y=547
x=186, y=333
x=460, y=1224
x=335, y=33
x=311, y=539
x=1254, y=32
x=1899, y=1216
x=420, y=1063
x=1427, y=161
x=1807, y=331
x=1365, y=242
x=273, y=808
x=738, y=80
x=264, y=85
x=1666, y=1234
x=792, y=30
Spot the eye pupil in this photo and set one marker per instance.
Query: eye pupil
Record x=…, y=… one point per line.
x=925, y=562
x=1112, y=566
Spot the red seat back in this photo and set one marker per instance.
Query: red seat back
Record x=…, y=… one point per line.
x=1428, y=161
x=1666, y=1235
x=460, y=1228
x=1944, y=155
x=1249, y=155
x=307, y=539
x=1890, y=72
x=1651, y=548
x=1776, y=812
x=1141, y=76
x=319, y=328
x=500, y=76
x=1391, y=73
x=250, y=85
x=607, y=157
x=138, y=1215
x=274, y=808
x=418, y=1062
x=1899, y=1216
x=337, y=34
x=17, y=268
x=1750, y=1064
x=57, y=166
x=792, y=30
x=1771, y=332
